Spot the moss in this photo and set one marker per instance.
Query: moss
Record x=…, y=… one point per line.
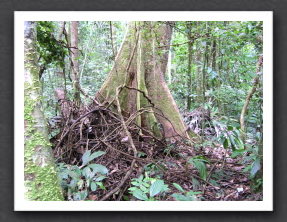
x=41, y=179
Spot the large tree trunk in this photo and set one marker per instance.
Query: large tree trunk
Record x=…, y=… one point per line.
x=41, y=179
x=139, y=68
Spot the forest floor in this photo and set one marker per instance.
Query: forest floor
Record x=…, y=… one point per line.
x=222, y=178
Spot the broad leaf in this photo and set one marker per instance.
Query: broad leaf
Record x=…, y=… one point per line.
x=200, y=165
x=179, y=197
x=195, y=183
x=96, y=154
x=255, y=167
x=100, y=178
x=93, y=186
x=225, y=144
x=156, y=187
x=140, y=195
x=86, y=157
x=74, y=175
x=88, y=173
x=133, y=188
x=80, y=184
x=98, y=168
x=177, y=186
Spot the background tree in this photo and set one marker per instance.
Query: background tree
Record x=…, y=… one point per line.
x=75, y=62
x=41, y=179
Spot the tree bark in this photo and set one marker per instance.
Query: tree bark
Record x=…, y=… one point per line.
x=41, y=181
x=213, y=63
x=255, y=82
x=139, y=68
x=75, y=62
x=189, y=76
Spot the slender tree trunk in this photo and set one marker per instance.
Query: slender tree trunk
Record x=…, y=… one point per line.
x=169, y=67
x=114, y=48
x=255, y=82
x=204, y=85
x=219, y=65
x=189, y=76
x=198, y=75
x=213, y=63
x=41, y=181
x=75, y=62
x=139, y=69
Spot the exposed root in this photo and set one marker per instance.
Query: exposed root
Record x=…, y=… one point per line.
x=129, y=154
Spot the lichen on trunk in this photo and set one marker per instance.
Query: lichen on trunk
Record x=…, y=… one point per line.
x=41, y=180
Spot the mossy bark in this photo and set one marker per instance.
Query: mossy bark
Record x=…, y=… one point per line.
x=141, y=64
x=75, y=64
x=41, y=180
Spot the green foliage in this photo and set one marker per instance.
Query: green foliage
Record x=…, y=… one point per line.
x=147, y=189
x=79, y=181
x=228, y=133
x=199, y=163
x=186, y=195
x=253, y=160
x=87, y=157
x=51, y=50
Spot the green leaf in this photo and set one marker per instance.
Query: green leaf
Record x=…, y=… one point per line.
x=96, y=154
x=195, y=183
x=213, y=75
x=179, y=197
x=235, y=153
x=100, y=178
x=88, y=173
x=193, y=193
x=202, y=158
x=255, y=167
x=80, y=184
x=86, y=157
x=144, y=189
x=156, y=187
x=145, y=184
x=126, y=198
x=101, y=185
x=135, y=183
x=98, y=168
x=212, y=181
x=140, y=195
x=177, y=186
x=84, y=194
x=225, y=144
x=93, y=186
x=200, y=165
x=232, y=142
x=133, y=188
x=77, y=170
x=74, y=175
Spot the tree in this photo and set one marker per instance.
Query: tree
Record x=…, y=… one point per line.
x=41, y=179
x=75, y=62
x=190, y=52
x=138, y=72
